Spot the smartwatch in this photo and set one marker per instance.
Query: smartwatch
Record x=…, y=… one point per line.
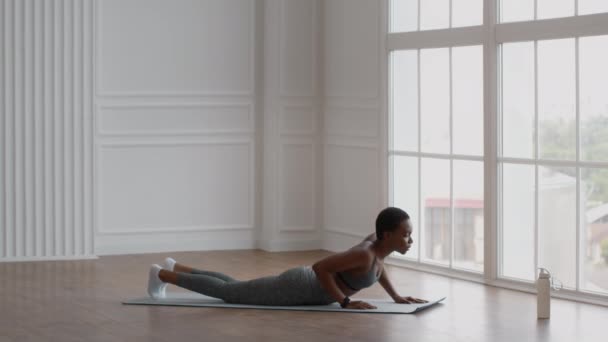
x=345, y=302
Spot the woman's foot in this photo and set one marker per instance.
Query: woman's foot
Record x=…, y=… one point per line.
x=169, y=264
x=156, y=287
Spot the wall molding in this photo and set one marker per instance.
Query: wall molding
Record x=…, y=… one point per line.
x=345, y=143
x=100, y=230
x=50, y=258
x=283, y=42
x=100, y=92
x=175, y=229
x=169, y=143
x=248, y=106
x=186, y=241
x=313, y=120
x=351, y=103
x=282, y=227
x=330, y=112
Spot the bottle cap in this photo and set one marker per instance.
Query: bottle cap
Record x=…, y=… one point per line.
x=544, y=273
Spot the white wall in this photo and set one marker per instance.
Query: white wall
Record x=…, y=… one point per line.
x=176, y=150
x=292, y=201
x=217, y=124
x=181, y=125
x=46, y=129
x=354, y=164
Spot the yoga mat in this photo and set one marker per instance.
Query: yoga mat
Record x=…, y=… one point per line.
x=195, y=299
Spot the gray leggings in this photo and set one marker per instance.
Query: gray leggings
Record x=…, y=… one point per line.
x=296, y=286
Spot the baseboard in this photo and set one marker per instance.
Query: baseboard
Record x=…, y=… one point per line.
x=108, y=244
x=49, y=258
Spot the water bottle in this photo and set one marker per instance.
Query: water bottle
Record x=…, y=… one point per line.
x=543, y=293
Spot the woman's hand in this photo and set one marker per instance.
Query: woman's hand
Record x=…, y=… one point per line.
x=409, y=300
x=360, y=305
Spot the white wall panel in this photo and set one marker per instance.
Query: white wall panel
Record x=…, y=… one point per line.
x=175, y=187
x=298, y=119
x=298, y=186
x=351, y=188
x=46, y=131
x=182, y=118
x=176, y=124
x=298, y=47
x=187, y=47
x=292, y=156
x=351, y=121
x=351, y=58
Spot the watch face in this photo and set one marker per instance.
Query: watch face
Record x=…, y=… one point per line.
x=345, y=302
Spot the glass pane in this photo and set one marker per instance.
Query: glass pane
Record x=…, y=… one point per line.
x=467, y=13
x=593, y=100
x=556, y=99
x=435, y=188
x=467, y=100
x=468, y=215
x=516, y=10
x=518, y=100
x=555, y=8
x=405, y=100
x=435, y=100
x=405, y=194
x=404, y=15
x=434, y=14
x=557, y=223
x=592, y=6
x=518, y=221
x=594, y=230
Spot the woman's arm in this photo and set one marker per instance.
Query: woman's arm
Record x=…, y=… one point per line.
x=326, y=268
x=388, y=287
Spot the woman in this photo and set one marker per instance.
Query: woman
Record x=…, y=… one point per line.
x=333, y=279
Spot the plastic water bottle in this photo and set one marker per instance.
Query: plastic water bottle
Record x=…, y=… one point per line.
x=543, y=288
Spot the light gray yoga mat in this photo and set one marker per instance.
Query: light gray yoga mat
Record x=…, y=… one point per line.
x=195, y=299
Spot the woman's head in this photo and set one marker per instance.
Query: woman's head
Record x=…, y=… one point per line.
x=393, y=227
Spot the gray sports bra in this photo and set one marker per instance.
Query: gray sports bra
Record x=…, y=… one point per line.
x=357, y=283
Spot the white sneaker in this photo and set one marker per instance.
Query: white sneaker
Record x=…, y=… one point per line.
x=169, y=264
x=156, y=287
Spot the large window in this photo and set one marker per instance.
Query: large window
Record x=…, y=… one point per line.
x=521, y=10
x=436, y=151
x=555, y=132
x=536, y=72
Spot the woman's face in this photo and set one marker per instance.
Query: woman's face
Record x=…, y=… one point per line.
x=401, y=239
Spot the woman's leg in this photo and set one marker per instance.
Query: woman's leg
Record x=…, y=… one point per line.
x=187, y=269
x=291, y=287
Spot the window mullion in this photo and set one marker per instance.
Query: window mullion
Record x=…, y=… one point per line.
x=419, y=150
x=451, y=159
x=536, y=159
x=555, y=28
x=490, y=87
x=450, y=14
x=578, y=158
x=418, y=15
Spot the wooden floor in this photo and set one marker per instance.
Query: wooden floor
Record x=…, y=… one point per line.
x=81, y=301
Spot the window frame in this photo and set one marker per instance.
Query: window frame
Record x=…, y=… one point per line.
x=490, y=35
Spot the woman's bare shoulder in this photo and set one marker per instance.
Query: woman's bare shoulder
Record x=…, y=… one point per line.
x=353, y=258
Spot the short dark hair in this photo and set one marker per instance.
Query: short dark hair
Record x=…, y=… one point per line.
x=389, y=220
